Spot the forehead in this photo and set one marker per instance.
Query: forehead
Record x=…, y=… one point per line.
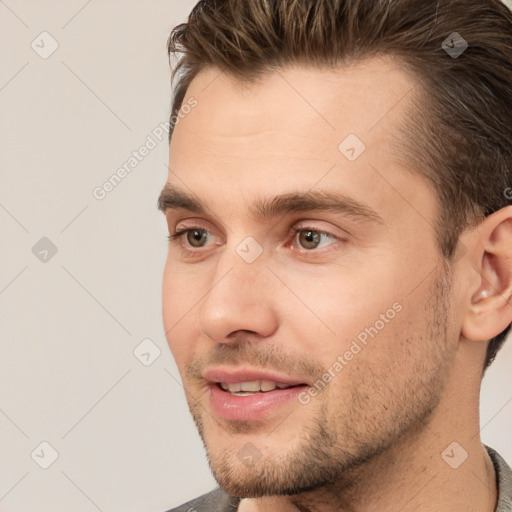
x=357, y=96
x=297, y=125
x=303, y=110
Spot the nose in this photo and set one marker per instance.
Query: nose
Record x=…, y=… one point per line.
x=240, y=299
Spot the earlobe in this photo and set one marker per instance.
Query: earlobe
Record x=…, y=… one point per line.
x=489, y=311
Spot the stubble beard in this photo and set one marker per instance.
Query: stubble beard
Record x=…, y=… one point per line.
x=337, y=443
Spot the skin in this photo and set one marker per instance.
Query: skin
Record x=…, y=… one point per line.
x=373, y=438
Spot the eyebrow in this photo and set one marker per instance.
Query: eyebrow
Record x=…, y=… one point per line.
x=172, y=198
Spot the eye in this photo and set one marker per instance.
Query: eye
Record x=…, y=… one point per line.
x=310, y=238
x=307, y=239
x=195, y=237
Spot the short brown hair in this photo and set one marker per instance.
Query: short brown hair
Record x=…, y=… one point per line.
x=459, y=133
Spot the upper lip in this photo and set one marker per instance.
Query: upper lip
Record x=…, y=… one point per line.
x=215, y=375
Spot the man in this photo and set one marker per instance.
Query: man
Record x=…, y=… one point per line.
x=339, y=273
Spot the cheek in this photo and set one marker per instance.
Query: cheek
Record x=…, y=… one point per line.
x=178, y=300
x=344, y=311
x=339, y=302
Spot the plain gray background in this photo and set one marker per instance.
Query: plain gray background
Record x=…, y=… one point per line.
x=72, y=319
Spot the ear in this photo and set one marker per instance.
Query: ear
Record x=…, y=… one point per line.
x=489, y=311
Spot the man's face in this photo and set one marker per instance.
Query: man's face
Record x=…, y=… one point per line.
x=350, y=301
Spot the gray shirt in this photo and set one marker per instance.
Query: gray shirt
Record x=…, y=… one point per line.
x=218, y=501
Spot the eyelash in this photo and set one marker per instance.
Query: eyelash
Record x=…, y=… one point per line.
x=195, y=252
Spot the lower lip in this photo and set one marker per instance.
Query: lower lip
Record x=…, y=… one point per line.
x=250, y=407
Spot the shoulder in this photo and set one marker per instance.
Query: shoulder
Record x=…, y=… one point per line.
x=503, y=481
x=214, y=501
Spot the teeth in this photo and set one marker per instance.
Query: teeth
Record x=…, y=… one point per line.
x=267, y=385
x=253, y=386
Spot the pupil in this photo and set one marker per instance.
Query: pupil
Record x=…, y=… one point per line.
x=310, y=239
x=196, y=238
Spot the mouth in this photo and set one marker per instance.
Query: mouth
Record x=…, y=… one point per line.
x=243, y=396
x=249, y=388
